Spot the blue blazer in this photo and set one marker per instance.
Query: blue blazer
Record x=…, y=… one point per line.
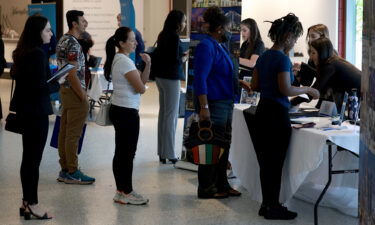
x=213, y=71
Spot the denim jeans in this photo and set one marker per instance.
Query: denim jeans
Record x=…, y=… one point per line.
x=210, y=176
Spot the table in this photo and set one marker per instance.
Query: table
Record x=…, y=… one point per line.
x=305, y=170
x=98, y=84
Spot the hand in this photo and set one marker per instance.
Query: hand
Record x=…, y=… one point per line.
x=314, y=93
x=245, y=85
x=296, y=68
x=204, y=114
x=146, y=58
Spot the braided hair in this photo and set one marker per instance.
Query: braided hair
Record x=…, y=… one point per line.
x=281, y=27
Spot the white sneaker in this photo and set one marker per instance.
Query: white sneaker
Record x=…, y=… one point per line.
x=118, y=197
x=133, y=198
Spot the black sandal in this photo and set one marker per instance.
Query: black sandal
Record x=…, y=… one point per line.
x=28, y=213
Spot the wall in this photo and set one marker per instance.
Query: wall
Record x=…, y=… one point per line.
x=155, y=12
x=309, y=12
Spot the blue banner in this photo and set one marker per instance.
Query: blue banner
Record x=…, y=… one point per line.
x=128, y=17
x=46, y=10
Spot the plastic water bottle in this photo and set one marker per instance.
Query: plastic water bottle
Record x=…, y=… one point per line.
x=353, y=105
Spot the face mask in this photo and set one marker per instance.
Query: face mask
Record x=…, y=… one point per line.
x=226, y=37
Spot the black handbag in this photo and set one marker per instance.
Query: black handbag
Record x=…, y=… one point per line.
x=206, y=142
x=13, y=122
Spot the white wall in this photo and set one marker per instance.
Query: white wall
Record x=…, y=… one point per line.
x=309, y=12
x=155, y=12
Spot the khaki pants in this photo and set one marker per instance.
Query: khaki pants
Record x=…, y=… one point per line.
x=73, y=117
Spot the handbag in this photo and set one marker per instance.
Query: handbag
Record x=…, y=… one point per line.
x=102, y=119
x=13, y=122
x=206, y=142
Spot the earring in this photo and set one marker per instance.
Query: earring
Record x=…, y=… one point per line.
x=219, y=32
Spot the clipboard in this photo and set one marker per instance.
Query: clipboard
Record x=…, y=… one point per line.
x=61, y=72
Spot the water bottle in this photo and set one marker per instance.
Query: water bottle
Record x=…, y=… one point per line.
x=353, y=105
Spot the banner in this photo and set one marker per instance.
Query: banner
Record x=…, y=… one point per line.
x=47, y=10
x=128, y=17
x=232, y=10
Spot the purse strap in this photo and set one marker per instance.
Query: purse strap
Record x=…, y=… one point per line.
x=11, y=90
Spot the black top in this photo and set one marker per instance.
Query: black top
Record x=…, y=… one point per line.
x=167, y=62
x=31, y=95
x=258, y=50
x=338, y=74
x=2, y=59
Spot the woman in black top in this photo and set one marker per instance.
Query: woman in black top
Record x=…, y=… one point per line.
x=167, y=65
x=32, y=104
x=251, y=48
x=335, y=75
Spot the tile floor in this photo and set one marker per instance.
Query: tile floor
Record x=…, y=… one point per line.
x=172, y=192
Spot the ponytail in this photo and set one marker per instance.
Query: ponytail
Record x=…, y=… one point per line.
x=110, y=50
x=121, y=34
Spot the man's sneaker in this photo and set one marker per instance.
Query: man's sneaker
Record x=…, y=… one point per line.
x=78, y=178
x=62, y=176
x=132, y=198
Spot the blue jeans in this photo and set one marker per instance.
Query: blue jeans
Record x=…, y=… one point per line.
x=215, y=176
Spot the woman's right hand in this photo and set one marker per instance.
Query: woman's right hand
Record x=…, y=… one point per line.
x=245, y=85
x=313, y=92
x=204, y=114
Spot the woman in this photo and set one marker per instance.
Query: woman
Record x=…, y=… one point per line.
x=213, y=85
x=32, y=104
x=335, y=75
x=251, y=48
x=128, y=85
x=273, y=77
x=2, y=64
x=305, y=73
x=168, y=72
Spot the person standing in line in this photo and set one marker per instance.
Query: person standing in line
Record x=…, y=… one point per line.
x=74, y=100
x=168, y=72
x=251, y=48
x=128, y=85
x=32, y=104
x=214, y=88
x=273, y=77
x=2, y=64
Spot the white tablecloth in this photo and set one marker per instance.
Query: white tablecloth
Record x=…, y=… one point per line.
x=305, y=169
x=98, y=84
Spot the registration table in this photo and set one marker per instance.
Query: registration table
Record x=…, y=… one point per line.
x=305, y=171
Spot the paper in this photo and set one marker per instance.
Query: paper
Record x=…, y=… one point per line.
x=61, y=73
x=304, y=96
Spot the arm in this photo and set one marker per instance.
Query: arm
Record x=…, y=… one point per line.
x=204, y=58
x=255, y=81
x=285, y=88
x=323, y=78
x=249, y=62
x=138, y=81
x=75, y=82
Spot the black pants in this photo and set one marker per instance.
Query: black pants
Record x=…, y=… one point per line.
x=271, y=138
x=33, y=141
x=126, y=124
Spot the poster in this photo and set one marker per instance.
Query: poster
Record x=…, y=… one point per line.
x=47, y=10
x=232, y=10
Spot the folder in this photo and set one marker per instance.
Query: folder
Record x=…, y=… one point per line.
x=61, y=72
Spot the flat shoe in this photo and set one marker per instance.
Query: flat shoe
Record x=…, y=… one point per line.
x=233, y=192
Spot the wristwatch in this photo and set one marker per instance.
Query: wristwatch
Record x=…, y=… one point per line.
x=205, y=106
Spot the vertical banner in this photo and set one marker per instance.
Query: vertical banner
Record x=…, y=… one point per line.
x=128, y=17
x=367, y=137
x=47, y=10
x=232, y=10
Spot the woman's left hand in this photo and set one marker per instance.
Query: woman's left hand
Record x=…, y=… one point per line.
x=146, y=58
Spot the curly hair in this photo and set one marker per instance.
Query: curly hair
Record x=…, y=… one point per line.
x=215, y=18
x=287, y=24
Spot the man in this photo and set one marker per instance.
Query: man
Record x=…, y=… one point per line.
x=74, y=101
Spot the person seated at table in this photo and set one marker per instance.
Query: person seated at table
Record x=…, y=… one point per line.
x=306, y=72
x=272, y=130
x=335, y=75
x=251, y=48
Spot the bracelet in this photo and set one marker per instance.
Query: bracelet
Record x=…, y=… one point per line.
x=205, y=106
